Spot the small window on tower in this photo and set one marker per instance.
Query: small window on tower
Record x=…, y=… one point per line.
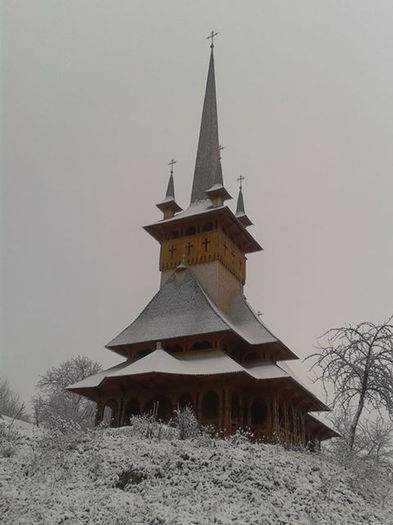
x=251, y=356
x=174, y=234
x=174, y=349
x=201, y=345
x=208, y=226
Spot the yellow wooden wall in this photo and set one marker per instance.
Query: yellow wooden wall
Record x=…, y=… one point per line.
x=201, y=248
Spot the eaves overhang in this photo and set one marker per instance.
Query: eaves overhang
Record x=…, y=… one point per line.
x=241, y=236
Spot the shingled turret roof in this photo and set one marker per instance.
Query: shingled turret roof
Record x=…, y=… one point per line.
x=240, y=210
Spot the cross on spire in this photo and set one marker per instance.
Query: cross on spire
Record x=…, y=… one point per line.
x=240, y=179
x=211, y=38
x=171, y=163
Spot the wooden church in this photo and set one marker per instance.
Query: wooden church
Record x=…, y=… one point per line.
x=198, y=342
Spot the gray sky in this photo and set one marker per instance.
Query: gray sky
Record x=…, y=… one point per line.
x=98, y=96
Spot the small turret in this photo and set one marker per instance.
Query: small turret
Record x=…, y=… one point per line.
x=240, y=211
x=169, y=205
x=217, y=193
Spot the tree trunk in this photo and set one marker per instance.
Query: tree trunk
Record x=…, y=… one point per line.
x=355, y=421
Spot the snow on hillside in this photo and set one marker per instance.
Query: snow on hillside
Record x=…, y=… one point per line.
x=122, y=477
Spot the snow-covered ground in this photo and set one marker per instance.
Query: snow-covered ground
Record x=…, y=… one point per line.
x=121, y=477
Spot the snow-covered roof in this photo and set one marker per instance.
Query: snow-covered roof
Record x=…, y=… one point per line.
x=182, y=308
x=161, y=362
x=214, y=362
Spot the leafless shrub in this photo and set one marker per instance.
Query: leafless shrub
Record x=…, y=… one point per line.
x=53, y=400
x=10, y=402
x=9, y=438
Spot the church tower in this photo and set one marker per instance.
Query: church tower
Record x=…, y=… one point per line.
x=198, y=342
x=207, y=236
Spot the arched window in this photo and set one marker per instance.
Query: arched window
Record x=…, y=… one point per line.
x=208, y=226
x=109, y=413
x=142, y=353
x=174, y=349
x=251, y=356
x=201, y=345
x=161, y=406
x=258, y=412
x=210, y=405
x=235, y=406
x=132, y=409
x=190, y=230
x=185, y=401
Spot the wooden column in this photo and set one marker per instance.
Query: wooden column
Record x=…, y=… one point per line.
x=275, y=430
x=195, y=404
x=241, y=411
x=199, y=406
x=228, y=411
x=99, y=413
x=221, y=409
x=303, y=428
x=269, y=420
x=249, y=402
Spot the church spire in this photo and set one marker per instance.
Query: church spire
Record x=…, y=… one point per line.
x=240, y=210
x=207, y=166
x=169, y=205
x=170, y=191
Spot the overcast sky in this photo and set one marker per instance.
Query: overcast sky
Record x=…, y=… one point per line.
x=98, y=96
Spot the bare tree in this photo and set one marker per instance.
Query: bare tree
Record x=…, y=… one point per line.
x=358, y=362
x=10, y=402
x=54, y=400
x=373, y=439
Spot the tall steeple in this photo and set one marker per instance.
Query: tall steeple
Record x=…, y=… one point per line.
x=208, y=171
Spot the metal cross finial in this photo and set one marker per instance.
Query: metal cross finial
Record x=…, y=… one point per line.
x=211, y=37
x=220, y=148
x=240, y=179
x=171, y=165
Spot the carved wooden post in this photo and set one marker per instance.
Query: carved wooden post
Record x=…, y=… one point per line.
x=285, y=414
x=249, y=402
x=195, y=404
x=303, y=428
x=275, y=426
x=99, y=413
x=199, y=406
x=221, y=410
x=269, y=420
x=227, y=417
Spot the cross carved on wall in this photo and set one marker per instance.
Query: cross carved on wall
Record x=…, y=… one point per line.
x=206, y=243
x=188, y=247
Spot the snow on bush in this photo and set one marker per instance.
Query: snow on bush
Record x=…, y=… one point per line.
x=145, y=473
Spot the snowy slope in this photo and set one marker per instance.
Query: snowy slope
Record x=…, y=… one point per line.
x=117, y=476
